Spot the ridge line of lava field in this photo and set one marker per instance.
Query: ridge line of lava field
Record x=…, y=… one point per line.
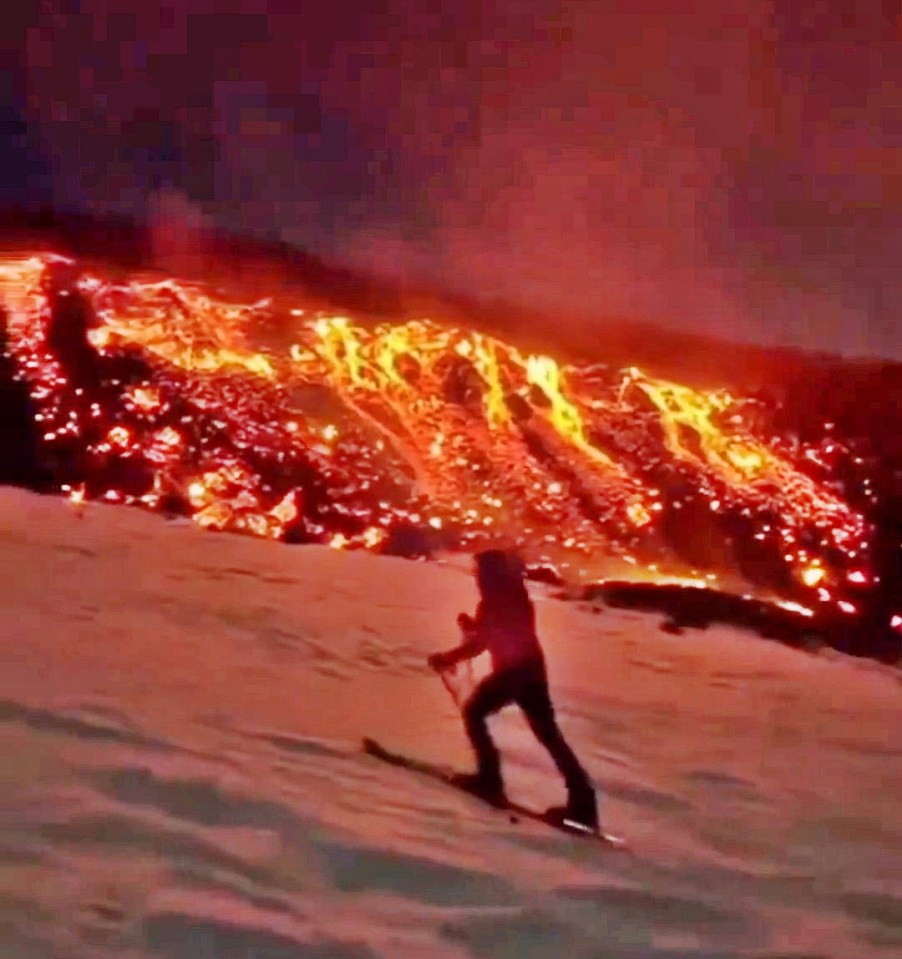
x=413, y=437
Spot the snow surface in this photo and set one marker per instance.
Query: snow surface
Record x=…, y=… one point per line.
x=180, y=773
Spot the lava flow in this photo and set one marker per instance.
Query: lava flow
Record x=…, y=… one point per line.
x=410, y=437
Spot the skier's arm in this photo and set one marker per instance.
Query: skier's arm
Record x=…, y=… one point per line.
x=473, y=644
x=471, y=647
x=474, y=636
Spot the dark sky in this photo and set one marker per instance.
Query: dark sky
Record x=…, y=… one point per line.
x=723, y=165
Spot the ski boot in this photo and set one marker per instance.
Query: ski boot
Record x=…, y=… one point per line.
x=580, y=813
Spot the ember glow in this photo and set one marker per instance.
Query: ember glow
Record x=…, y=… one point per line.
x=376, y=436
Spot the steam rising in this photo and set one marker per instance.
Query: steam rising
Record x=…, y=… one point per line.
x=720, y=168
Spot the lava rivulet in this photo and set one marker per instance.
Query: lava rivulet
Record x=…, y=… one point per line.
x=407, y=436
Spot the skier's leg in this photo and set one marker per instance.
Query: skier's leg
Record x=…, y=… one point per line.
x=490, y=695
x=535, y=701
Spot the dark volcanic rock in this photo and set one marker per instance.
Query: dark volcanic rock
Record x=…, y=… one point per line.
x=19, y=460
x=693, y=607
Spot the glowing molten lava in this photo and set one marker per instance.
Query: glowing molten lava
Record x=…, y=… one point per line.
x=157, y=393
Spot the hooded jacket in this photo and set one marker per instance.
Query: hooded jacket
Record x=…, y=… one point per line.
x=508, y=631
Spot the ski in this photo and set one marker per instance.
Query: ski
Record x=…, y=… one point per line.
x=446, y=774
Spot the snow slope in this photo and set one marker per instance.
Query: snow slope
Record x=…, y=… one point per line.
x=180, y=776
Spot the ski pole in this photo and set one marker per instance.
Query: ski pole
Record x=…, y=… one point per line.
x=452, y=692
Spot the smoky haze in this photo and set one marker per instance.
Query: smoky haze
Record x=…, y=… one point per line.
x=726, y=168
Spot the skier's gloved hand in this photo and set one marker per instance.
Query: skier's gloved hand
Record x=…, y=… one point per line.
x=439, y=662
x=466, y=622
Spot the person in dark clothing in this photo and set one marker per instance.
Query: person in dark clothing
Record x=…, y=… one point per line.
x=505, y=626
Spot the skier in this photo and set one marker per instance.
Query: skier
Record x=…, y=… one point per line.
x=505, y=625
